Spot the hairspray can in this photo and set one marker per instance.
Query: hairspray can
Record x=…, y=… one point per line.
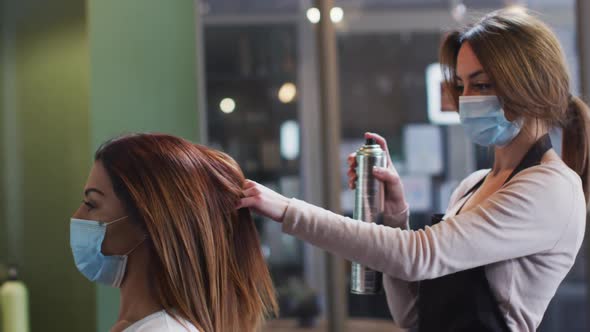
x=369, y=200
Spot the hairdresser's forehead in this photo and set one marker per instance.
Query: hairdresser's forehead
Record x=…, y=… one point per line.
x=467, y=62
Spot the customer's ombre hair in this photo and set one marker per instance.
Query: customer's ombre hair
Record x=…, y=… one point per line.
x=207, y=266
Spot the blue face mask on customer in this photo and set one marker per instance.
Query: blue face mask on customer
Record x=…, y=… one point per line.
x=483, y=120
x=86, y=238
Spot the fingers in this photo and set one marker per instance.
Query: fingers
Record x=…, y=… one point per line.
x=248, y=202
x=352, y=159
x=387, y=175
x=263, y=201
x=251, y=192
x=379, y=139
x=351, y=173
x=351, y=170
x=382, y=143
x=251, y=195
x=351, y=178
x=249, y=184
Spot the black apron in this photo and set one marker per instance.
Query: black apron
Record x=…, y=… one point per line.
x=463, y=301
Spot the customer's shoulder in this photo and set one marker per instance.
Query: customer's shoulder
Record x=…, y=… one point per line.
x=162, y=321
x=177, y=324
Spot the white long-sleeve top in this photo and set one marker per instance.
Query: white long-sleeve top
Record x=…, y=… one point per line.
x=527, y=234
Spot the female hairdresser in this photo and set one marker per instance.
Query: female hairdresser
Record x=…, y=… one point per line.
x=510, y=234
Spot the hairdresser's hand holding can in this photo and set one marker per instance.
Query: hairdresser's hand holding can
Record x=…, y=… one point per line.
x=395, y=201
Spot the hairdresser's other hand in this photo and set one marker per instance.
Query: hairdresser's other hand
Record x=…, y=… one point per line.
x=395, y=201
x=264, y=201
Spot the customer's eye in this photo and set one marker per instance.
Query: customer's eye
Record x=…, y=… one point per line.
x=89, y=205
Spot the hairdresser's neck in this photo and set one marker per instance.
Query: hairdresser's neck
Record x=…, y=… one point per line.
x=508, y=157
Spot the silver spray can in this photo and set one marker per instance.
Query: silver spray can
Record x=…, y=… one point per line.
x=369, y=203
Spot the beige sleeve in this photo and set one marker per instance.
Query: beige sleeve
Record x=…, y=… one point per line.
x=402, y=296
x=525, y=214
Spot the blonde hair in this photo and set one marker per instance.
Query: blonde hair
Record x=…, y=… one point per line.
x=207, y=265
x=524, y=60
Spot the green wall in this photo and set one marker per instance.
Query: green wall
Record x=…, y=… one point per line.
x=143, y=78
x=45, y=148
x=4, y=254
x=78, y=74
x=143, y=67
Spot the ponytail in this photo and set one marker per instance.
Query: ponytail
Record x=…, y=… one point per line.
x=576, y=141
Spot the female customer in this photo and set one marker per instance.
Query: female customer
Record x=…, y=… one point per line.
x=158, y=221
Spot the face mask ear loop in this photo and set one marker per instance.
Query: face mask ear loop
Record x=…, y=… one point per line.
x=114, y=221
x=136, y=246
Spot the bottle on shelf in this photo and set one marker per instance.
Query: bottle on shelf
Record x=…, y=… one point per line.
x=14, y=303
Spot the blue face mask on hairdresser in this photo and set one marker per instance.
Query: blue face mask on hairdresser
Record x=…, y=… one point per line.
x=86, y=237
x=483, y=120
